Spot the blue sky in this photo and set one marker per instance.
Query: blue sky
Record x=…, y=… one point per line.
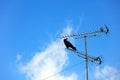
x=30, y=26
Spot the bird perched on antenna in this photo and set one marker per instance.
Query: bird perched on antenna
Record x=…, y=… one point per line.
x=68, y=44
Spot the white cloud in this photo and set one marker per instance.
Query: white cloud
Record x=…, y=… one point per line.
x=107, y=73
x=53, y=59
x=48, y=62
x=19, y=57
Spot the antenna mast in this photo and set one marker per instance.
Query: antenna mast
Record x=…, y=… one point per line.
x=86, y=35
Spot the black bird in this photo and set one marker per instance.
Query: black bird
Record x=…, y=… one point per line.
x=69, y=45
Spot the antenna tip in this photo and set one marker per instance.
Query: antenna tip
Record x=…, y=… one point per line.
x=107, y=29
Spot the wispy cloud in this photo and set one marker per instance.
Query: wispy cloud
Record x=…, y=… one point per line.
x=45, y=64
x=19, y=56
x=107, y=73
x=48, y=62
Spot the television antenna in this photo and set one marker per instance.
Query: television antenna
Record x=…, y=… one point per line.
x=85, y=55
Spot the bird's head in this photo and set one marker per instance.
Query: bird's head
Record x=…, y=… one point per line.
x=65, y=39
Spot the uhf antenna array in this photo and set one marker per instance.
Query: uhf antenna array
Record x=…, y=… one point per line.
x=98, y=59
x=85, y=35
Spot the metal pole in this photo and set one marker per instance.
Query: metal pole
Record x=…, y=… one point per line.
x=86, y=57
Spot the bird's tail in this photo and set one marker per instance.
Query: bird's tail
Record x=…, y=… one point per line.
x=74, y=48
